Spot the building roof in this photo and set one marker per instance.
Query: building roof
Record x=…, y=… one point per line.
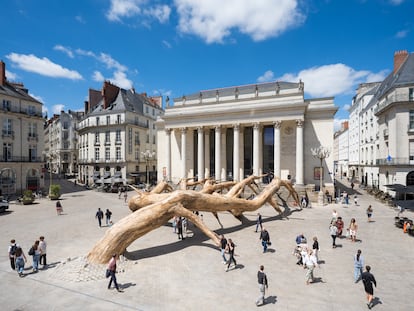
x=16, y=90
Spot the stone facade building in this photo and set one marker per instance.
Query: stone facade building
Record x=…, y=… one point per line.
x=232, y=132
x=21, y=161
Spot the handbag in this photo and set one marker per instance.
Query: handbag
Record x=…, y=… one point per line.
x=107, y=273
x=269, y=243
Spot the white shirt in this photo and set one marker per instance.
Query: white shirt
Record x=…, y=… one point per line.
x=42, y=246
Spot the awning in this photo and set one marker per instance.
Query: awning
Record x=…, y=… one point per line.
x=118, y=180
x=107, y=175
x=107, y=181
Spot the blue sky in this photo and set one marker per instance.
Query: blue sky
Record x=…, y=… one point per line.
x=60, y=49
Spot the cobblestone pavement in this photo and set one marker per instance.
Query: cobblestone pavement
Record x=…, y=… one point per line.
x=162, y=272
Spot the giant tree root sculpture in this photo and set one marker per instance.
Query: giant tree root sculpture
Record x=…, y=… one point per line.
x=154, y=209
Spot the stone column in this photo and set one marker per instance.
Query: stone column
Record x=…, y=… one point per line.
x=256, y=150
x=299, y=152
x=236, y=149
x=200, y=153
x=207, y=153
x=183, y=152
x=168, y=169
x=217, y=153
x=276, y=148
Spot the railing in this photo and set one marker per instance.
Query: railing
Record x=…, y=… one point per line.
x=6, y=133
x=393, y=98
x=113, y=122
x=101, y=160
x=395, y=161
x=20, y=159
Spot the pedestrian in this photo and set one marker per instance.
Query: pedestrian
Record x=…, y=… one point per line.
x=174, y=224
x=99, y=215
x=346, y=198
x=300, y=239
x=333, y=231
x=20, y=260
x=263, y=284
x=59, y=209
x=356, y=200
x=108, y=215
x=353, y=227
x=259, y=222
x=264, y=236
x=339, y=226
x=112, y=270
x=223, y=245
x=369, y=213
x=368, y=279
x=35, y=253
x=334, y=215
x=184, y=223
x=352, y=185
x=358, y=265
x=180, y=228
x=12, y=253
x=119, y=192
x=315, y=248
x=310, y=263
x=125, y=196
x=230, y=249
x=42, y=247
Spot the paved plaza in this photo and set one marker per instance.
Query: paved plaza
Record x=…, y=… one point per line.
x=164, y=273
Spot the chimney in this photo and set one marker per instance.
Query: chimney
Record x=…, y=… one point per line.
x=2, y=73
x=86, y=107
x=399, y=59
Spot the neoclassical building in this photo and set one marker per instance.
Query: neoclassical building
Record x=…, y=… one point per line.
x=232, y=132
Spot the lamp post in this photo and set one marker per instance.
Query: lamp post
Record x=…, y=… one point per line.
x=147, y=155
x=320, y=153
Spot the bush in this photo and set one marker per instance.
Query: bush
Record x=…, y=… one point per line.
x=54, y=192
x=28, y=197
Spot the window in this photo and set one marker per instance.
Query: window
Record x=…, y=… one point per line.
x=7, y=152
x=107, y=153
x=6, y=105
x=137, y=154
x=31, y=110
x=96, y=154
x=130, y=141
x=32, y=130
x=411, y=94
x=32, y=153
x=97, y=120
x=7, y=127
x=153, y=139
x=118, y=119
x=411, y=121
x=65, y=145
x=108, y=120
x=147, y=138
x=153, y=112
x=137, y=138
x=146, y=109
x=118, y=153
x=65, y=125
x=107, y=137
x=118, y=135
x=96, y=138
x=65, y=157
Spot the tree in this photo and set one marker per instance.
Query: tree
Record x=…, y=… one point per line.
x=153, y=209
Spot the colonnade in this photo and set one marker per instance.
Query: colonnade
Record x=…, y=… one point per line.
x=201, y=167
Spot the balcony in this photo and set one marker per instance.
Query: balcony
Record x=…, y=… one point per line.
x=393, y=98
x=395, y=161
x=118, y=142
x=6, y=133
x=107, y=142
x=20, y=159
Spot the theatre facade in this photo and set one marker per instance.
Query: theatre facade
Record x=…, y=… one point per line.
x=230, y=133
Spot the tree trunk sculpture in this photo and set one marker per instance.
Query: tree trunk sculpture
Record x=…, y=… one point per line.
x=153, y=209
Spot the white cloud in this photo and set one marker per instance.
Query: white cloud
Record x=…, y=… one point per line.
x=266, y=77
x=97, y=76
x=401, y=34
x=214, y=20
x=120, y=79
x=58, y=108
x=159, y=12
x=42, y=66
x=38, y=98
x=332, y=80
x=11, y=76
x=338, y=124
x=65, y=50
x=346, y=107
x=123, y=8
x=110, y=62
x=166, y=44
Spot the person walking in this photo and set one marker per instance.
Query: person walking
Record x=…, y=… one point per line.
x=230, y=249
x=333, y=231
x=358, y=265
x=35, y=253
x=353, y=227
x=263, y=284
x=125, y=196
x=99, y=215
x=12, y=253
x=20, y=260
x=264, y=236
x=369, y=213
x=42, y=247
x=315, y=248
x=339, y=226
x=223, y=245
x=368, y=279
x=180, y=228
x=259, y=222
x=59, y=209
x=108, y=215
x=112, y=270
x=310, y=263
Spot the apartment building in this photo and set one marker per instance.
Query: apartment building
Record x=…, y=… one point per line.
x=117, y=137
x=21, y=161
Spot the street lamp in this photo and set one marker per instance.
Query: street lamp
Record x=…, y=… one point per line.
x=147, y=155
x=320, y=153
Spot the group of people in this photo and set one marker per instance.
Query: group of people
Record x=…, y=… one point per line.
x=229, y=247
x=307, y=256
x=100, y=216
x=18, y=258
x=180, y=226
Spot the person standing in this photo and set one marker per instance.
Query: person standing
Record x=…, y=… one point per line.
x=339, y=226
x=12, y=253
x=59, y=209
x=125, y=196
x=310, y=263
x=230, y=249
x=223, y=245
x=180, y=228
x=315, y=248
x=368, y=279
x=333, y=231
x=259, y=222
x=20, y=260
x=99, y=215
x=108, y=215
x=112, y=270
x=358, y=265
x=36, y=255
x=353, y=227
x=42, y=247
x=264, y=236
x=263, y=284
x=369, y=213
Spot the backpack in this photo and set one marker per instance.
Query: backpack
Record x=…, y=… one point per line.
x=31, y=251
x=13, y=250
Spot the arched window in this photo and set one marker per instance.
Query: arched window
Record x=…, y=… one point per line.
x=410, y=178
